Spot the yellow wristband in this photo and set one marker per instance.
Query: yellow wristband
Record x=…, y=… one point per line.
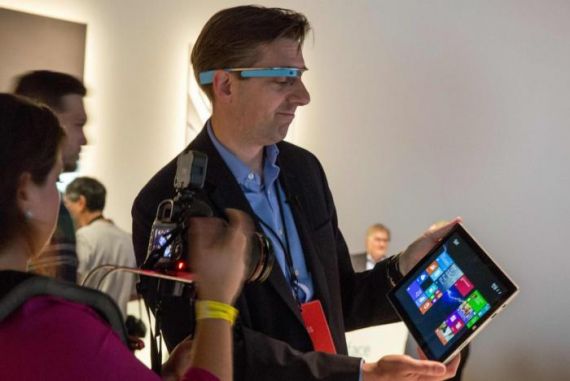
x=209, y=309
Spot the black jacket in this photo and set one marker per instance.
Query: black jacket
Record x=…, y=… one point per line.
x=271, y=342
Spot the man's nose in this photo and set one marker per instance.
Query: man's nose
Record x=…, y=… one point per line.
x=300, y=94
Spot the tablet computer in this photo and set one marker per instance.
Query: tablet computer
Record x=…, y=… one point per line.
x=451, y=294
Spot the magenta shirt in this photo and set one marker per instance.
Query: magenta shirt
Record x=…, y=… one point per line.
x=49, y=338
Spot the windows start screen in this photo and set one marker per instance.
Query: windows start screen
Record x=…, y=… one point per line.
x=444, y=276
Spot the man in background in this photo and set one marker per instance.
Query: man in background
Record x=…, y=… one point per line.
x=99, y=240
x=64, y=94
x=377, y=240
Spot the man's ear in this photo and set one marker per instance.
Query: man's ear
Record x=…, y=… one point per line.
x=77, y=206
x=222, y=85
x=82, y=203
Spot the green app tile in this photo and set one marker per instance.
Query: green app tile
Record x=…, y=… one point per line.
x=476, y=301
x=472, y=322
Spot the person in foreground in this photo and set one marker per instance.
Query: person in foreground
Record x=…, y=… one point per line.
x=249, y=61
x=51, y=338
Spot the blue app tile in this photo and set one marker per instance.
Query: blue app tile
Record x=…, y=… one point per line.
x=444, y=261
x=421, y=300
x=414, y=290
x=422, y=278
x=449, y=278
x=436, y=274
x=465, y=311
x=431, y=290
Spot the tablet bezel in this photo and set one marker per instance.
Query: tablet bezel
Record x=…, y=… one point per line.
x=510, y=292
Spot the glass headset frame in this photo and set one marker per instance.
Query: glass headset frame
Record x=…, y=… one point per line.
x=207, y=77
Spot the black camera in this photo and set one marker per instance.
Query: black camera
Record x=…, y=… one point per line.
x=167, y=249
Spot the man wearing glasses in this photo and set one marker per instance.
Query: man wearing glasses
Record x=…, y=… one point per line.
x=249, y=62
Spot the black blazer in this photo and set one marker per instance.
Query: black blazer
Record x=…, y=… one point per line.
x=271, y=342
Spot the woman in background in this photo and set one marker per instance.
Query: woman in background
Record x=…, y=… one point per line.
x=51, y=338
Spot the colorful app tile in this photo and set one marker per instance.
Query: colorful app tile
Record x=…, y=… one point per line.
x=444, y=261
x=456, y=327
x=431, y=290
x=454, y=322
x=421, y=300
x=444, y=333
x=472, y=322
x=423, y=277
x=463, y=285
x=448, y=278
x=432, y=267
x=414, y=290
x=484, y=310
x=436, y=274
x=477, y=301
x=438, y=294
x=465, y=311
x=425, y=307
x=452, y=319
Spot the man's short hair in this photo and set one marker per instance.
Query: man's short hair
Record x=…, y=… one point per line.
x=93, y=191
x=48, y=87
x=231, y=38
x=378, y=227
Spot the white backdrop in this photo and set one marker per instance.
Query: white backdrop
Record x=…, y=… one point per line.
x=420, y=111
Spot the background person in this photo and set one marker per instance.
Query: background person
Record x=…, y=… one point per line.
x=64, y=94
x=53, y=338
x=100, y=241
x=378, y=238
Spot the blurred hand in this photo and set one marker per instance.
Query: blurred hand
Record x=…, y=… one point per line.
x=134, y=343
x=177, y=364
x=405, y=368
x=217, y=254
x=421, y=246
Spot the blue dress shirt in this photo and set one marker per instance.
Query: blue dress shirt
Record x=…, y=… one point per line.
x=261, y=195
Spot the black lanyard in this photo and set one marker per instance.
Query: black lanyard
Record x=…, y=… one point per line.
x=284, y=245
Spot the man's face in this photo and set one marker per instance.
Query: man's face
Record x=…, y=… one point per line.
x=72, y=118
x=377, y=244
x=265, y=107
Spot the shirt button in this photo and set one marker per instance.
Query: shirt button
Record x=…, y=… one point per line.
x=250, y=176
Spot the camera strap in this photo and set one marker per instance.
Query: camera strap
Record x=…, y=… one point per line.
x=294, y=281
x=155, y=341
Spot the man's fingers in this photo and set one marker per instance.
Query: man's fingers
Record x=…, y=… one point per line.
x=453, y=365
x=426, y=367
x=439, y=232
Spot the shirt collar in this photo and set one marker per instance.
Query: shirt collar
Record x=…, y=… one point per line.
x=243, y=174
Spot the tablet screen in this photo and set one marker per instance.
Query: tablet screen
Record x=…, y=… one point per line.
x=450, y=293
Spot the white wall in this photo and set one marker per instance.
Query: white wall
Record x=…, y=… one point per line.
x=421, y=111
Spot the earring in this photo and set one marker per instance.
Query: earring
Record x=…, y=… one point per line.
x=28, y=214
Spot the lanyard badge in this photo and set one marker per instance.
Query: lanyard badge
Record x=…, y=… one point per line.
x=317, y=326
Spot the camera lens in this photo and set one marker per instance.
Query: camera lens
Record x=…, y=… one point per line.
x=261, y=259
